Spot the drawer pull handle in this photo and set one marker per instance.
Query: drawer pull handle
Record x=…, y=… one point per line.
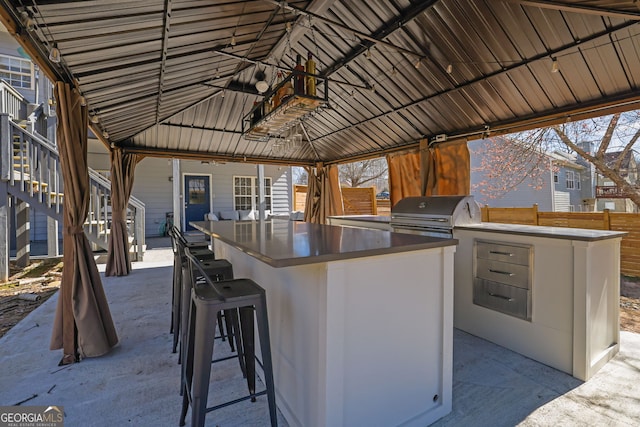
x=508, y=299
x=501, y=253
x=506, y=273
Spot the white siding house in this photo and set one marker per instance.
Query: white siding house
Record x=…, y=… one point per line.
x=558, y=185
x=154, y=187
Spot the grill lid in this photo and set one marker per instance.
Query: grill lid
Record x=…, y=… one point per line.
x=435, y=211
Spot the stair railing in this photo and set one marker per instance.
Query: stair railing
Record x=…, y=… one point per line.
x=30, y=165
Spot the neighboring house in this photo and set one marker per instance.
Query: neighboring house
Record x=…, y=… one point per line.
x=211, y=187
x=225, y=187
x=561, y=183
x=607, y=193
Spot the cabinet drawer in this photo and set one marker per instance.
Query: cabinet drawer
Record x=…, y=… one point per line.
x=503, y=272
x=503, y=298
x=506, y=253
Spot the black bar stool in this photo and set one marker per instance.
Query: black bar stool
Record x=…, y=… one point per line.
x=214, y=270
x=207, y=299
x=202, y=252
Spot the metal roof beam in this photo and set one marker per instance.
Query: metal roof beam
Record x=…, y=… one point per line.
x=386, y=29
x=578, y=8
x=350, y=30
x=471, y=82
x=163, y=55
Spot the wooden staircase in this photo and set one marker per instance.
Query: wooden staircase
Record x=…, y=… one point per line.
x=30, y=170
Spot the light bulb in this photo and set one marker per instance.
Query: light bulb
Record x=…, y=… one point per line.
x=233, y=40
x=54, y=55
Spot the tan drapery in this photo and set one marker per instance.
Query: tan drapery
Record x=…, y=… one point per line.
x=452, y=169
x=404, y=175
x=122, y=173
x=82, y=324
x=324, y=196
x=430, y=171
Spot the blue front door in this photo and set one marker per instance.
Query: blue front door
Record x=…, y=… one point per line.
x=197, y=197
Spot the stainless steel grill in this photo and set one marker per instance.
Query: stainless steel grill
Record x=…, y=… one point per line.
x=435, y=215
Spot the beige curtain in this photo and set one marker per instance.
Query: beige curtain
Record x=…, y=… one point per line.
x=430, y=171
x=82, y=324
x=452, y=169
x=404, y=175
x=122, y=173
x=324, y=196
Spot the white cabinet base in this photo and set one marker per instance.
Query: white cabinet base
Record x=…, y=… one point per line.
x=360, y=342
x=575, y=302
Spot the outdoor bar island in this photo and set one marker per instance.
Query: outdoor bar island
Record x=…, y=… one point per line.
x=361, y=321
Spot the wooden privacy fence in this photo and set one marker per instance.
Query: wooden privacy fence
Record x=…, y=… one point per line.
x=357, y=201
x=606, y=220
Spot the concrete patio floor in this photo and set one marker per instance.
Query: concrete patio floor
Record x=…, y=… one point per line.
x=137, y=384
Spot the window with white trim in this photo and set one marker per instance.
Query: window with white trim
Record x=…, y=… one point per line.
x=570, y=179
x=555, y=177
x=577, y=180
x=245, y=193
x=18, y=72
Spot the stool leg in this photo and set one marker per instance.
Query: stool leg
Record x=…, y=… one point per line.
x=228, y=323
x=185, y=304
x=222, y=336
x=267, y=364
x=248, y=346
x=175, y=305
x=186, y=370
x=173, y=296
x=236, y=335
x=202, y=353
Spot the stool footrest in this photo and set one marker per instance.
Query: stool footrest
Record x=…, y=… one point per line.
x=222, y=359
x=238, y=400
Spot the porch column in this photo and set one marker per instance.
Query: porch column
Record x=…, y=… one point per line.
x=178, y=203
x=261, y=199
x=52, y=237
x=23, y=233
x=4, y=232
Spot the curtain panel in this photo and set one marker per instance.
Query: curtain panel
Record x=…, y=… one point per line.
x=82, y=325
x=122, y=174
x=442, y=170
x=324, y=196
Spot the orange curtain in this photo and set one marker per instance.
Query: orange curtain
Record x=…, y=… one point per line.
x=430, y=171
x=324, y=196
x=404, y=175
x=452, y=169
x=82, y=324
x=122, y=173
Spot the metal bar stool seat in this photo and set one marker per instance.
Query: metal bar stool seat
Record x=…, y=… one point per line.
x=203, y=253
x=214, y=270
x=207, y=299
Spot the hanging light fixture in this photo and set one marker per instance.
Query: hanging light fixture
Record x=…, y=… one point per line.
x=54, y=54
x=554, y=65
x=449, y=68
x=261, y=85
x=233, y=40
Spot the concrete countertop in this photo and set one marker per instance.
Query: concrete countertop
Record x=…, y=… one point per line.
x=527, y=230
x=368, y=218
x=282, y=243
x=541, y=231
